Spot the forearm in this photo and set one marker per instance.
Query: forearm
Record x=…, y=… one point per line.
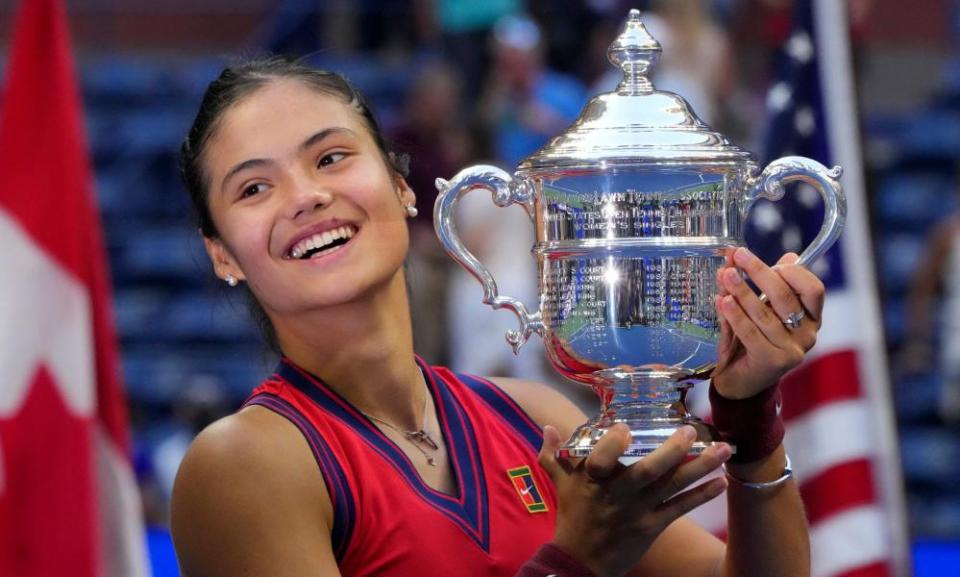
x=767, y=528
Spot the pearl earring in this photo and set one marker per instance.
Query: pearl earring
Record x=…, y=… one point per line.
x=231, y=280
x=412, y=211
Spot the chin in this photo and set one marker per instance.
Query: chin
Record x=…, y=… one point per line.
x=316, y=294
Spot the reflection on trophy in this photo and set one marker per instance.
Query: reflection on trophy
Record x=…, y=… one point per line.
x=634, y=208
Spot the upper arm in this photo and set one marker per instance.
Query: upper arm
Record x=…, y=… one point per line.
x=544, y=404
x=683, y=548
x=250, y=500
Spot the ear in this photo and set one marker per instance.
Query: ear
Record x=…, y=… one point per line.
x=224, y=264
x=404, y=192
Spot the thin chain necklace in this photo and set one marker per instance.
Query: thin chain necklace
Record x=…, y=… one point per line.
x=420, y=438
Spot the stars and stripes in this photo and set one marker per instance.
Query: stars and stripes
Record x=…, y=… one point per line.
x=836, y=408
x=795, y=126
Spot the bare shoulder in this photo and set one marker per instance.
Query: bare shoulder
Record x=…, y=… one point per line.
x=543, y=403
x=248, y=497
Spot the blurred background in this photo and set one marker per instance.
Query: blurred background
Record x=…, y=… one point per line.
x=457, y=83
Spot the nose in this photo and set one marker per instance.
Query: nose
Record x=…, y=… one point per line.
x=307, y=198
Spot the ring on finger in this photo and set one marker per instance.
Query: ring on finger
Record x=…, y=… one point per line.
x=793, y=319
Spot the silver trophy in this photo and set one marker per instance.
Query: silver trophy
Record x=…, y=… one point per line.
x=633, y=207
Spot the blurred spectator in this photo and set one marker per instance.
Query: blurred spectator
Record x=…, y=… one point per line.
x=568, y=24
x=696, y=61
x=501, y=239
x=434, y=132
x=524, y=102
x=463, y=27
x=936, y=288
x=435, y=135
x=201, y=401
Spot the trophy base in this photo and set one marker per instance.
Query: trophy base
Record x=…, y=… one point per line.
x=645, y=438
x=651, y=402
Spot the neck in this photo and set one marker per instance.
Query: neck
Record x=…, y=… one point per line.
x=364, y=351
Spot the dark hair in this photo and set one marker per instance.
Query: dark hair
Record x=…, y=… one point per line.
x=233, y=85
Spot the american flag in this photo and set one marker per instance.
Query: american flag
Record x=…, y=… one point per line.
x=840, y=432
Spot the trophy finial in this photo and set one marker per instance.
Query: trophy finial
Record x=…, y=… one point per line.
x=635, y=51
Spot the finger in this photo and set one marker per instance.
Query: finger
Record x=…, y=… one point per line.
x=687, y=501
x=666, y=457
x=779, y=293
x=603, y=461
x=720, y=288
x=743, y=326
x=755, y=341
x=807, y=286
x=696, y=469
x=548, y=453
x=726, y=343
x=799, y=277
x=759, y=313
x=787, y=258
x=728, y=255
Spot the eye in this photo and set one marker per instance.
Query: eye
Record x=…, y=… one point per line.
x=332, y=158
x=252, y=189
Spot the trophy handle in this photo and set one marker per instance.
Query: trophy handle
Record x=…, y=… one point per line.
x=506, y=191
x=769, y=184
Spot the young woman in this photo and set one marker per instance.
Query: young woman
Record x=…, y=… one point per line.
x=356, y=458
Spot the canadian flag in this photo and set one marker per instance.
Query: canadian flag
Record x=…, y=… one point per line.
x=68, y=497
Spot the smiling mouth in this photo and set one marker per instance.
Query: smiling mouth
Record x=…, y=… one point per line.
x=321, y=244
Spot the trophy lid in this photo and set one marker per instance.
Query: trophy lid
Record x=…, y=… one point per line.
x=635, y=124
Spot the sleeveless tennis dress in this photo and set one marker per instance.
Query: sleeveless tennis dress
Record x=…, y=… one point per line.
x=386, y=520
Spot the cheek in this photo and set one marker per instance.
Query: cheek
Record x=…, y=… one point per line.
x=373, y=188
x=248, y=239
x=388, y=225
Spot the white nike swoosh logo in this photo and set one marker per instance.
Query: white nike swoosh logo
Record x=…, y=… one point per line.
x=526, y=490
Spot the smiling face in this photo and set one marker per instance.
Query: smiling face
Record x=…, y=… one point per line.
x=307, y=210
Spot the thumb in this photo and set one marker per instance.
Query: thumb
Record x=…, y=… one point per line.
x=548, y=452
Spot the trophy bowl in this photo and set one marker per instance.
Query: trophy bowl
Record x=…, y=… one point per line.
x=634, y=208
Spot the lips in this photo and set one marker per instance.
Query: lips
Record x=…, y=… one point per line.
x=320, y=239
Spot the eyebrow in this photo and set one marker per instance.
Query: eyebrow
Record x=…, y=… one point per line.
x=306, y=144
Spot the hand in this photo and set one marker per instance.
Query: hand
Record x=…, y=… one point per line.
x=756, y=348
x=609, y=515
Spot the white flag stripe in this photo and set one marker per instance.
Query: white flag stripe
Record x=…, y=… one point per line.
x=829, y=435
x=121, y=522
x=840, y=111
x=839, y=331
x=849, y=540
x=44, y=318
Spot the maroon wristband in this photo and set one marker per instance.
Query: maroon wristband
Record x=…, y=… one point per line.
x=552, y=560
x=752, y=425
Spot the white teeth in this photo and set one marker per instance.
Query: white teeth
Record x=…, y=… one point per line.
x=318, y=241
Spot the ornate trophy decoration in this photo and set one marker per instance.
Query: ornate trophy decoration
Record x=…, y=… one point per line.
x=634, y=207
